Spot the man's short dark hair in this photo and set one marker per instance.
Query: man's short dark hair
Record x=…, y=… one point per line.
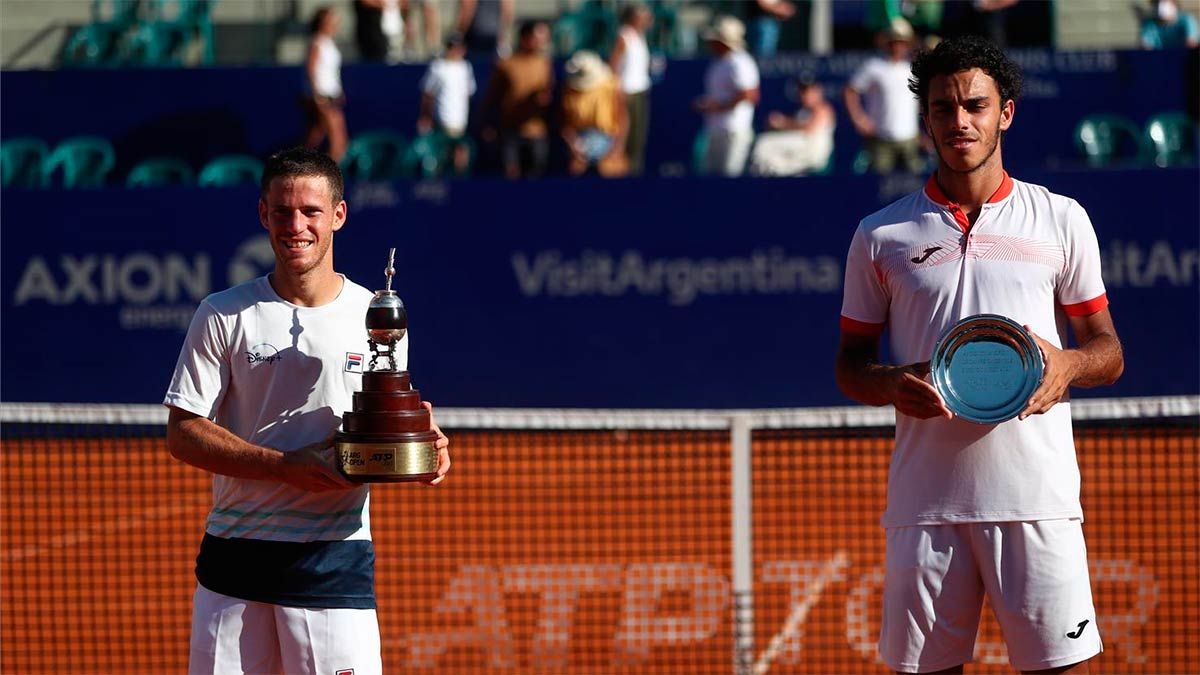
x=964, y=53
x=295, y=162
x=529, y=27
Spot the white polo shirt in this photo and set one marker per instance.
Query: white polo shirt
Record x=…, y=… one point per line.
x=883, y=85
x=451, y=83
x=917, y=267
x=725, y=79
x=278, y=375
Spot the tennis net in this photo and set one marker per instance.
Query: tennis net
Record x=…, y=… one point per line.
x=573, y=541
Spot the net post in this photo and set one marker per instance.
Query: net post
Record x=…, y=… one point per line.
x=740, y=429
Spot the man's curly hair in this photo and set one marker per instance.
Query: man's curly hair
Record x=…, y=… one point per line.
x=964, y=53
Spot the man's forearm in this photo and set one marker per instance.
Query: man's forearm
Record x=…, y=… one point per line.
x=867, y=382
x=205, y=445
x=1099, y=362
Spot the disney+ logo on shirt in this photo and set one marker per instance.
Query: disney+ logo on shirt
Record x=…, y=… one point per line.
x=264, y=353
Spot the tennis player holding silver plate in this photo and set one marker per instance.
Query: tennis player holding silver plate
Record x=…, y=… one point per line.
x=986, y=367
x=983, y=484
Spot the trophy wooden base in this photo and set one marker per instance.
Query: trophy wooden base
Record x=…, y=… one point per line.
x=387, y=437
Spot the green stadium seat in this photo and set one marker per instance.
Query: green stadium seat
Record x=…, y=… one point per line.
x=185, y=19
x=375, y=155
x=90, y=46
x=664, y=35
x=699, y=154
x=429, y=156
x=231, y=170
x=1172, y=138
x=84, y=162
x=118, y=14
x=153, y=44
x=21, y=162
x=1106, y=139
x=593, y=26
x=160, y=171
x=862, y=162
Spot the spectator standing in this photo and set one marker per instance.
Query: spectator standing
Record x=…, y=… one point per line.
x=324, y=98
x=431, y=26
x=485, y=25
x=765, y=19
x=378, y=28
x=517, y=102
x=730, y=94
x=446, y=92
x=1168, y=28
x=882, y=108
x=800, y=143
x=630, y=60
x=991, y=20
x=594, y=124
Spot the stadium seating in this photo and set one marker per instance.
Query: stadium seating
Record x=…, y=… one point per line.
x=593, y=26
x=21, y=162
x=1106, y=139
x=160, y=171
x=231, y=170
x=375, y=155
x=1172, y=138
x=84, y=162
x=428, y=156
x=184, y=19
x=153, y=44
x=131, y=33
x=90, y=46
x=699, y=151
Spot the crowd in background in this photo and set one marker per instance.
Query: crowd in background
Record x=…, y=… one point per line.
x=596, y=120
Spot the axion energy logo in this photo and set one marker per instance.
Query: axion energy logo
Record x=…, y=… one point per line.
x=147, y=289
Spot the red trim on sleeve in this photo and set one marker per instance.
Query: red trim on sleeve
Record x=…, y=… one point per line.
x=1087, y=307
x=861, y=327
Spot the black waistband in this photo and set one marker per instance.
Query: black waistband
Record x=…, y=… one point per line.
x=316, y=574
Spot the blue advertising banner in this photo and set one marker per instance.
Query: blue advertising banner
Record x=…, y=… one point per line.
x=651, y=293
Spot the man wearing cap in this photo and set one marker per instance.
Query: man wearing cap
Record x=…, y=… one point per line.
x=881, y=107
x=730, y=94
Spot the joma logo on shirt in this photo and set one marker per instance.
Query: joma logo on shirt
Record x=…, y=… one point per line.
x=263, y=353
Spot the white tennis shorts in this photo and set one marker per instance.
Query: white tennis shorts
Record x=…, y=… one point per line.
x=1035, y=575
x=230, y=635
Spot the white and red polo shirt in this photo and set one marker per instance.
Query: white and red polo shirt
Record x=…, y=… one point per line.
x=916, y=267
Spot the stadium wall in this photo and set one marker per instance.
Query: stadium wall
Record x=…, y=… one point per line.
x=660, y=293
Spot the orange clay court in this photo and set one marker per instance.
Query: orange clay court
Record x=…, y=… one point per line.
x=578, y=552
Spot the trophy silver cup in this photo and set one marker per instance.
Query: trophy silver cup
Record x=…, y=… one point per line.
x=387, y=437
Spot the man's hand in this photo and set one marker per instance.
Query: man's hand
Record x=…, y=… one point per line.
x=314, y=468
x=1057, y=375
x=913, y=396
x=443, y=447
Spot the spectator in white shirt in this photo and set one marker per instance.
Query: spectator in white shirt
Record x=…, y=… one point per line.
x=630, y=60
x=446, y=92
x=324, y=98
x=882, y=108
x=730, y=94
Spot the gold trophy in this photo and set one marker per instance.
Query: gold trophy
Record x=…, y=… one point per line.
x=387, y=437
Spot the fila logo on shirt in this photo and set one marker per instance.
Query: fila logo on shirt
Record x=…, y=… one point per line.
x=347, y=671
x=354, y=362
